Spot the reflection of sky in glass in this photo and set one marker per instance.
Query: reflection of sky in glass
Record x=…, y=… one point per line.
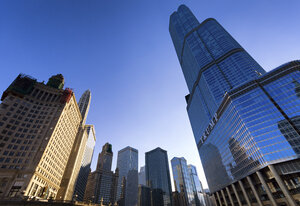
x=253, y=131
x=132, y=71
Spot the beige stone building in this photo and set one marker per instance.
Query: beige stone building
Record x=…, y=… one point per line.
x=38, y=128
x=67, y=186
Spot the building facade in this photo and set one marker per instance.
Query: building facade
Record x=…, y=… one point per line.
x=84, y=105
x=144, y=196
x=39, y=125
x=212, y=63
x=70, y=176
x=158, y=177
x=197, y=186
x=142, y=176
x=248, y=141
x=182, y=181
x=85, y=163
x=127, y=163
x=102, y=184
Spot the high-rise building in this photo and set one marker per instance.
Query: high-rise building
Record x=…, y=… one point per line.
x=102, y=183
x=85, y=163
x=244, y=120
x=127, y=163
x=38, y=129
x=158, y=177
x=197, y=186
x=80, y=149
x=212, y=63
x=142, y=176
x=182, y=179
x=68, y=182
x=84, y=104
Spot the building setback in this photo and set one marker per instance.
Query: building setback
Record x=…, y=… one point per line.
x=158, y=177
x=245, y=121
x=38, y=128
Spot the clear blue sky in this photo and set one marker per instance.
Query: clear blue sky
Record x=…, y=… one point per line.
x=122, y=51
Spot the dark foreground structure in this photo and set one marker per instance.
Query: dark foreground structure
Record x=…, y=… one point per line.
x=246, y=122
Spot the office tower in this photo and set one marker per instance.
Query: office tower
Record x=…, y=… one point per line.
x=105, y=158
x=68, y=182
x=182, y=179
x=127, y=164
x=142, y=176
x=197, y=186
x=245, y=126
x=212, y=63
x=158, y=177
x=102, y=183
x=38, y=128
x=84, y=104
x=144, y=196
x=85, y=163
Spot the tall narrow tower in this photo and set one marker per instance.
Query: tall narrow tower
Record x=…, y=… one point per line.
x=245, y=121
x=84, y=104
x=212, y=61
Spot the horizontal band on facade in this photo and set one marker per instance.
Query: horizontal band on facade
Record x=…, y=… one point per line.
x=207, y=66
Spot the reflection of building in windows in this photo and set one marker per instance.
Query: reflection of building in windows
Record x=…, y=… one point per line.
x=256, y=129
x=290, y=130
x=216, y=174
x=182, y=179
x=241, y=158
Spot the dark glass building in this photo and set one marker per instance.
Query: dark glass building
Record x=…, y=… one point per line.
x=158, y=177
x=144, y=196
x=245, y=121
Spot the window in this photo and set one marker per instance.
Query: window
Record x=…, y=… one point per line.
x=14, y=191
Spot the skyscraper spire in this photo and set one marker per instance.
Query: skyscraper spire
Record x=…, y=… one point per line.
x=84, y=104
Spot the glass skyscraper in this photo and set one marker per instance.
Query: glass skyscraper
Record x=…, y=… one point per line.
x=197, y=186
x=84, y=104
x=86, y=163
x=182, y=179
x=245, y=121
x=158, y=177
x=212, y=63
x=127, y=164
